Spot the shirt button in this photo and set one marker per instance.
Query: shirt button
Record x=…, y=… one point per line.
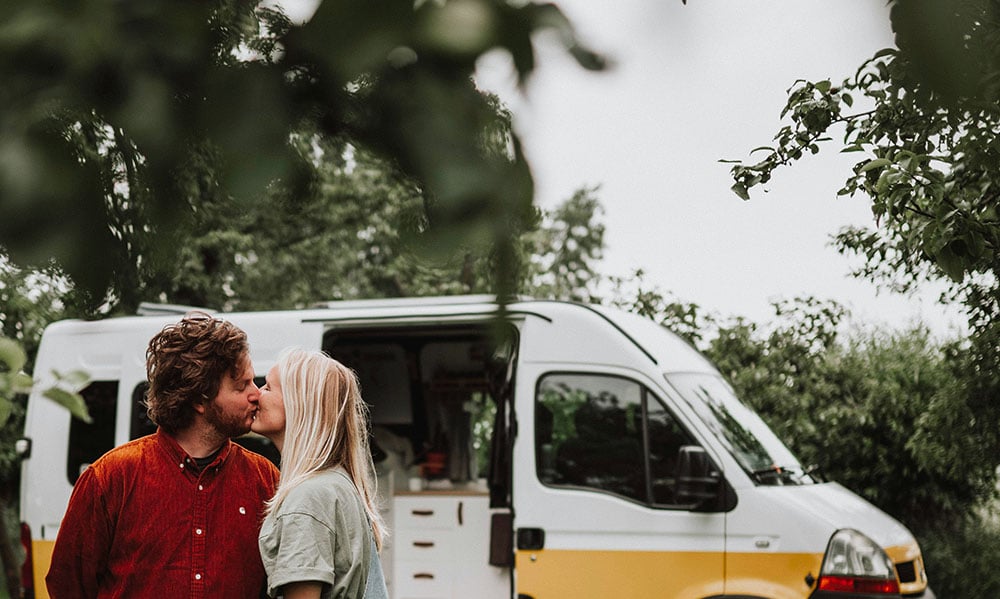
x=182, y=465
x=197, y=576
x=201, y=488
x=197, y=531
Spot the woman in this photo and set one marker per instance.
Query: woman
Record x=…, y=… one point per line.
x=322, y=530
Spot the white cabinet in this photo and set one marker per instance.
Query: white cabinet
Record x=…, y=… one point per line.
x=441, y=546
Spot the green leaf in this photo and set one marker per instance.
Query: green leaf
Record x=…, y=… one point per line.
x=71, y=401
x=12, y=354
x=740, y=190
x=823, y=86
x=951, y=264
x=75, y=379
x=21, y=383
x=5, y=410
x=874, y=164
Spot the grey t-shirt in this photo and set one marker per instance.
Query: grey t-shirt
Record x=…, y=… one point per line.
x=320, y=532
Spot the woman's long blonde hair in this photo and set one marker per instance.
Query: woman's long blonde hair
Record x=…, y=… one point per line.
x=326, y=425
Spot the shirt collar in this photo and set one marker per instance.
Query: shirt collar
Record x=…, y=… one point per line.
x=179, y=456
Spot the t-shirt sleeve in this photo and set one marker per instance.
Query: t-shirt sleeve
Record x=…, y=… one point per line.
x=297, y=547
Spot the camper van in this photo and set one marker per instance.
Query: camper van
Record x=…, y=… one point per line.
x=532, y=450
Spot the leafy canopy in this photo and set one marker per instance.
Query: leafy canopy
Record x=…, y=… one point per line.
x=120, y=119
x=924, y=117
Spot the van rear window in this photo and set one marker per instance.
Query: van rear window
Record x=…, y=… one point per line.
x=87, y=442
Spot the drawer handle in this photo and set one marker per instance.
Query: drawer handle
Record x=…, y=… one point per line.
x=423, y=543
x=422, y=512
x=424, y=575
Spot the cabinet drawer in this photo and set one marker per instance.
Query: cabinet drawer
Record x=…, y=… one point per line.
x=425, y=545
x=417, y=512
x=415, y=580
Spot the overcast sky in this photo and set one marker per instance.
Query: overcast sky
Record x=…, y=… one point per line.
x=693, y=84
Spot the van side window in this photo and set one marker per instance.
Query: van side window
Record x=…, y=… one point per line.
x=87, y=442
x=606, y=433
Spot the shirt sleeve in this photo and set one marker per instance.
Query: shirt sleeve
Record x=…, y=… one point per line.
x=79, y=557
x=297, y=548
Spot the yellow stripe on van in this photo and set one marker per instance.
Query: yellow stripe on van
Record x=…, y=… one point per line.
x=41, y=556
x=562, y=573
x=557, y=574
x=777, y=575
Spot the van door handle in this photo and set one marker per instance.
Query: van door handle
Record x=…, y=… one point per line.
x=530, y=539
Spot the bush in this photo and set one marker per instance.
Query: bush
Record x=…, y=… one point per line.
x=961, y=560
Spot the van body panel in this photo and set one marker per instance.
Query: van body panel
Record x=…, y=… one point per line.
x=803, y=518
x=670, y=352
x=569, y=335
x=773, y=574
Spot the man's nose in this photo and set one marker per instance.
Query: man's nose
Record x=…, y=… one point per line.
x=254, y=392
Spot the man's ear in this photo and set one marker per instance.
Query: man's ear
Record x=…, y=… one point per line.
x=199, y=406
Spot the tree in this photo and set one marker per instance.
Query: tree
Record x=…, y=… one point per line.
x=121, y=119
x=634, y=294
x=924, y=117
x=926, y=129
x=564, y=252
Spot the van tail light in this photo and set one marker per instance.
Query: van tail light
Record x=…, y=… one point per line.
x=855, y=584
x=27, y=569
x=855, y=564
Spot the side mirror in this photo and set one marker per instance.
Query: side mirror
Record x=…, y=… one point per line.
x=698, y=481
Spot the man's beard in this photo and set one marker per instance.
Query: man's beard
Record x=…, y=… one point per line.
x=228, y=425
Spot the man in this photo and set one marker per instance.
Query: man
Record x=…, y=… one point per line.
x=175, y=513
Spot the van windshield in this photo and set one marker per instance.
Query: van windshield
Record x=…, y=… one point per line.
x=754, y=445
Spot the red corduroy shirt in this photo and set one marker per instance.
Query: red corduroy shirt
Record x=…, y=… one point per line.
x=143, y=522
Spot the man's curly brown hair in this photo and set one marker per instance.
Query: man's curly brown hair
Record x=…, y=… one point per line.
x=185, y=363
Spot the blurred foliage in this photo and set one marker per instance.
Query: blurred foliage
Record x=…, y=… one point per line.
x=355, y=238
x=121, y=121
x=29, y=301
